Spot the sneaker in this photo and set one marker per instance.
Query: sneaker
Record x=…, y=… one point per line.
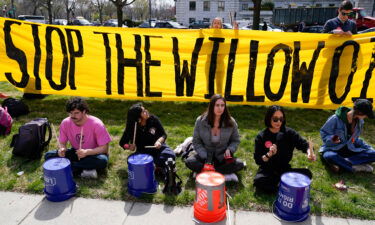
x=231, y=177
x=89, y=174
x=363, y=168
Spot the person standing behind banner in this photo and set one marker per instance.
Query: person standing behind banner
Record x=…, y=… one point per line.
x=216, y=140
x=274, y=148
x=342, y=25
x=342, y=148
x=88, y=137
x=217, y=23
x=150, y=136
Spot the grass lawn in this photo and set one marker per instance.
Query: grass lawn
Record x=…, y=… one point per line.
x=178, y=120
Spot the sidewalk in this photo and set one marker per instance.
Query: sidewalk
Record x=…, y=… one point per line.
x=18, y=208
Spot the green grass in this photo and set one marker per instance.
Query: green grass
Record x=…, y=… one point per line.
x=178, y=120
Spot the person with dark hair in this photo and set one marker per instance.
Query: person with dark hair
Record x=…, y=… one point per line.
x=274, y=148
x=342, y=25
x=150, y=136
x=342, y=148
x=88, y=137
x=215, y=141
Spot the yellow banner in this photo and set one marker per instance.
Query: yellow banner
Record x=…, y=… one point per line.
x=247, y=67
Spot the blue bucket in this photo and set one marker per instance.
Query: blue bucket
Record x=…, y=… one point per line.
x=141, y=178
x=292, y=203
x=58, y=180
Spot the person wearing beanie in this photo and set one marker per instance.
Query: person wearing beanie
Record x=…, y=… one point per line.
x=342, y=148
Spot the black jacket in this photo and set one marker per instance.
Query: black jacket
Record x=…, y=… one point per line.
x=286, y=140
x=146, y=135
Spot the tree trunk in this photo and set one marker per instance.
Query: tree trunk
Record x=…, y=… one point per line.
x=119, y=15
x=49, y=8
x=256, y=14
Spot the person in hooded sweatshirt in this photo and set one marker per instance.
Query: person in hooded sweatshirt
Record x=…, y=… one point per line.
x=342, y=148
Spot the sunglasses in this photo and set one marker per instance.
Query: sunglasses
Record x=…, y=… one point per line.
x=345, y=14
x=277, y=119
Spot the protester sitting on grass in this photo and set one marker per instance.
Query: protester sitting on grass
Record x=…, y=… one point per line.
x=150, y=136
x=216, y=140
x=342, y=148
x=274, y=148
x=88, y=137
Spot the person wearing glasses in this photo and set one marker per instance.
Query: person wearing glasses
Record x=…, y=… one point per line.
x=342, y=25
x=274, y=148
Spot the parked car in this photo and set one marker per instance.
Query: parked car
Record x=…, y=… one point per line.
x=372, y=29
x=147, y=24
x=199, y=25
x=169, y=24
x=80, y=21
x=60, y=21
x=270, y=27
x=112, y=23
x=313, y=29
x=32, y=18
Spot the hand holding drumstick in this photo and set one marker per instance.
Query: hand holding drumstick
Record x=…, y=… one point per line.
x=61, y=151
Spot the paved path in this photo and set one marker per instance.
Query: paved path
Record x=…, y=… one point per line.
x=26, y=209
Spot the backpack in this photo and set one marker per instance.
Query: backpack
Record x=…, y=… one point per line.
x=30, y=141
x=15, y=107
x=171, y=186
x=5, y=121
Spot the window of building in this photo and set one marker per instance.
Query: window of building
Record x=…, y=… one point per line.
x=192, y=6
x=191, y=20
x=331, y=5
x=206, y=20
x=206, y=6
x=318, y=5
x=245, y=7
x=221, y=6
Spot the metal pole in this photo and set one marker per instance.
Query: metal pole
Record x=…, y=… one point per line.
x=149, y=9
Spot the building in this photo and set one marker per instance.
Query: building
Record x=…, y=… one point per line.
x=188, y=11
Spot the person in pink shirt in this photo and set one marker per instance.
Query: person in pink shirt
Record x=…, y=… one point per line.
x=88, y=137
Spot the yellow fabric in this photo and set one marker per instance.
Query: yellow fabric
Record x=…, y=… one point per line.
x=159, y=51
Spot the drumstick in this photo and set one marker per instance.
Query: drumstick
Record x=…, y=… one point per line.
x=134, y=134
x=80, y=138
x=55, y=134
x=311, y=145
x=149, y=146
x=80, y=141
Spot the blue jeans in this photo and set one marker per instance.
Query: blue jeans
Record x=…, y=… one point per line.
x=346, y=161
x=88, y=163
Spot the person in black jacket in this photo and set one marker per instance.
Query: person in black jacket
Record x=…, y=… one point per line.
x=274, y=150
x=150, y=135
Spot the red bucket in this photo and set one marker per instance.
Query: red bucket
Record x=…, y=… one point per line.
x=210, y=199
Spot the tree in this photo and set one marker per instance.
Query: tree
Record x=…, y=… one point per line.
x=256, y=14
x=69, y=8
x=99, y=4
x=119, y=6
